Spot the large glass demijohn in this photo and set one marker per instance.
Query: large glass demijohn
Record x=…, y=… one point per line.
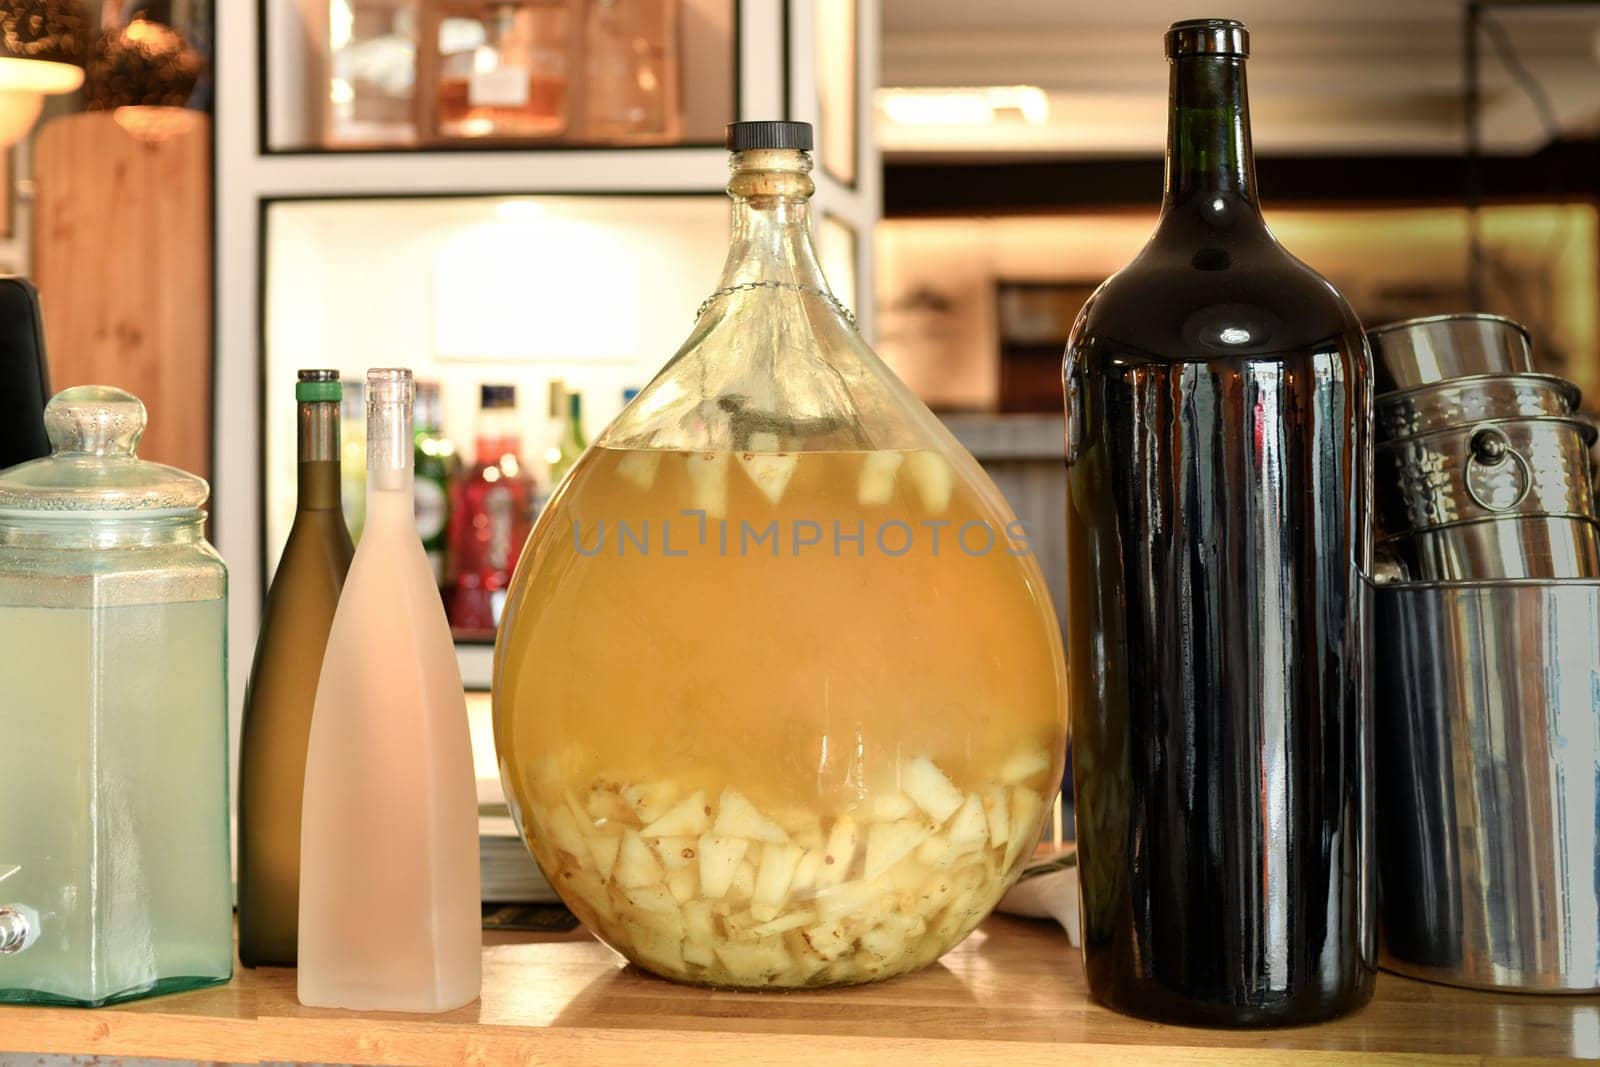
x=779, y=692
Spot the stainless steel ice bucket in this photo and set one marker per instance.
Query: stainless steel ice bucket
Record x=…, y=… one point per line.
x=1502, y=498
x=1421, y=351
x=1488, y=759
x=1460, y=401
x=1486, y=470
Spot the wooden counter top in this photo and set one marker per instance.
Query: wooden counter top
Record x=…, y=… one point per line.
x=1012, y=994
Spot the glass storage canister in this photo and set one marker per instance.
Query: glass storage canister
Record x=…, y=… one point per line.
x=779, y=690
x=114, y=875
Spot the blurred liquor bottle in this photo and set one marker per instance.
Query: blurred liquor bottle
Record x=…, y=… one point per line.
x=436, y=465
x=498, y=69
x=353, y=457
x=630, y=70
x=489, y=518
x=571, y=444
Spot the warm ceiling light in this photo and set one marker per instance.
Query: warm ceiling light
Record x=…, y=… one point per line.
x=155, y=124
x=39, y=76
x=41, y=53
x=143, y=74
x=519, y=210
x=965, y=107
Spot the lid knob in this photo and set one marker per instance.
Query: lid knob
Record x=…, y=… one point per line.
x=95, y=419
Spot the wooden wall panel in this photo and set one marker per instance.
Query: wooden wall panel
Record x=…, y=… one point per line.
x=122, y=259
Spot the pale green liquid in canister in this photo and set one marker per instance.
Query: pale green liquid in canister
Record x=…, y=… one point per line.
x=113, y=789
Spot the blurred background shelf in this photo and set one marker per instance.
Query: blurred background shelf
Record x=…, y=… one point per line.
x=350, y=241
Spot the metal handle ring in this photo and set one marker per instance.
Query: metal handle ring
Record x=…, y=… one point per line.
x=1489, y=448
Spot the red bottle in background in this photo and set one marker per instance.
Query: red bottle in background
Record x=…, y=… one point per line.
x=489, y=518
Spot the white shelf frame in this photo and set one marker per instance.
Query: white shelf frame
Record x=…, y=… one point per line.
x=776, y=79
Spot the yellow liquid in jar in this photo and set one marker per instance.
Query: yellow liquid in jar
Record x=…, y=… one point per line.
x=855, y=635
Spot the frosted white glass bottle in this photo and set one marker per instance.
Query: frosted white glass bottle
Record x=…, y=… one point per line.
x=390, y=918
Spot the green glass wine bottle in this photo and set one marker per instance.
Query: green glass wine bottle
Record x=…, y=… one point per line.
x=1219, y=625
x=283, y=685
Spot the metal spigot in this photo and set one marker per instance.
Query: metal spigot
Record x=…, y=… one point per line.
x=19, y=928
x=19, y=924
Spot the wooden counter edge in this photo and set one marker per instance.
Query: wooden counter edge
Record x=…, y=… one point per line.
x=357, y=1039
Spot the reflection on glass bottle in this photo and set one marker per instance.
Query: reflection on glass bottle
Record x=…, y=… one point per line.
x=489, y=519
x=503, y=69
x=436, y=464
x=628, y=47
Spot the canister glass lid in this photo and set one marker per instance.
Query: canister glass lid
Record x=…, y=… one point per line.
x=94, y=430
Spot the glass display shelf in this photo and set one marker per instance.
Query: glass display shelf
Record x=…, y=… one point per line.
x=594, y=292
x=392, y=75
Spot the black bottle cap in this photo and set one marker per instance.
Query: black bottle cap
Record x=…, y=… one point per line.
x=744, y=136
x=497, y=396
x=1216, y=37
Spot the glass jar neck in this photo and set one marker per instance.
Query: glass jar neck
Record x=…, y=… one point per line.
x=319, y=456
x=771, y=246
x=67, y=530
x=1208, y=132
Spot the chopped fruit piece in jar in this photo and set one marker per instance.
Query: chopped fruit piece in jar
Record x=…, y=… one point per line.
x=994, y=808
x=637, y=864
x=778, y=863
x=933, y=479
x=650, y=802
x=838, y=853
x=744, y=881
x=745, y=903
x=969, y=826
x=719, y=861
x=886, y=807
x=877, y=477
x=929, y=789
x=687, y=818
x=603, y=849
x=1025, y=764
x=737, y=817
x=638, y=469
x=769, y=469
x=708, y=480
x=889, y=842
x=1024, y=814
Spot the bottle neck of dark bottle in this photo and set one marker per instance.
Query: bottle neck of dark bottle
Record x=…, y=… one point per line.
x=1208, y=137
x=319, y=456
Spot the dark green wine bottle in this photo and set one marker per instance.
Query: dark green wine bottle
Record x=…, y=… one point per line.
x=1219, y=452
x=283, y=685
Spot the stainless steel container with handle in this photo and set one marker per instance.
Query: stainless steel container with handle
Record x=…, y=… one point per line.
x=1488, y=760
x=1422, y=351
x=1459, y=401
x=1486, y=470
x=1502, y=498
